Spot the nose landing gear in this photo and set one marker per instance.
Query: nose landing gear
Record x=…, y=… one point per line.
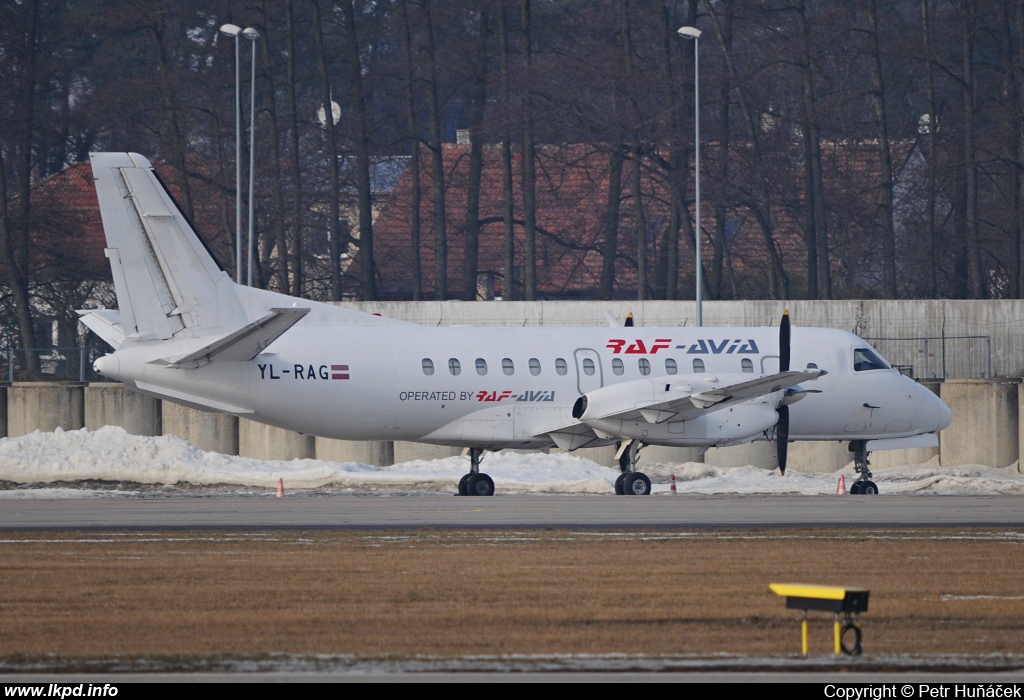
x=631, y=482
x=864, y=485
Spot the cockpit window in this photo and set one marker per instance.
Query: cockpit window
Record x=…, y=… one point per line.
x=865, y=359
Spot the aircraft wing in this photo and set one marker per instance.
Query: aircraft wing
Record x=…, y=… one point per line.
x=662, y=399
x=696, y=403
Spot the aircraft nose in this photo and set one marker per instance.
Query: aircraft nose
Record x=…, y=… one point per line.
x=936, y=414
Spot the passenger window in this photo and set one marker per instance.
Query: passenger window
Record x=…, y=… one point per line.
x=428, y=367
x=747, y=365
x=507, y=367
x=864, y=359
x=698, y=366
x=560, y=366
x=645, y=366
x=670, y=366
x=617, y=366
x=453, y=366
x=534, y=366
x=481, y=366
x=588, y=367
x=812, y=365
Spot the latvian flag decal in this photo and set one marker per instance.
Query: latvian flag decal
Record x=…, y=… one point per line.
x=339, y=371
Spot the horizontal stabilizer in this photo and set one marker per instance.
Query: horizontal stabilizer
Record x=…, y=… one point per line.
x=245, y=343
x=106, y=323
x=191, y=400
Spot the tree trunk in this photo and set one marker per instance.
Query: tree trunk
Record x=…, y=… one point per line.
x=436, y=157
x=885, y=158
x=508, y=260
x=476, y=165
x=529, y=166
x=337, y=245
x=367, y=266
x=414, y=159
x=294, y=277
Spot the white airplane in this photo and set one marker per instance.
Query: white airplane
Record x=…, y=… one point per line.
x=183, y=331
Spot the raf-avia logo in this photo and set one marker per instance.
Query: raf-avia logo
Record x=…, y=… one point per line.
x=725, y=347
x=637, y=347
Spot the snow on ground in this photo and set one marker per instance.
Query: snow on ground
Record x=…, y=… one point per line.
x=111, y=463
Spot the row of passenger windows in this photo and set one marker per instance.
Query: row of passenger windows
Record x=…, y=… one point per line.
x=561, y=367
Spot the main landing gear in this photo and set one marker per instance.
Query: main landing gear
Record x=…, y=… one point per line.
x=631, y=482
x=864, y=485
x=476, y=483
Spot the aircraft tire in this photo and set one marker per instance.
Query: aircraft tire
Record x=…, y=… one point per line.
x=855, y=488
x=480, y=485
x=870, y=489
x=636, y=484
x=463, y=489
x=619, y=490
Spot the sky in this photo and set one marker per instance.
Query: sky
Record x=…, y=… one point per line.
x=110, y=463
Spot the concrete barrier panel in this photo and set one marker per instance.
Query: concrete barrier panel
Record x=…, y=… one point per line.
x=818, y=457
x=408, y=451
x=379, y=454
x=3, y=411
x=109, y=403
x=261, y=441
x=44, y=406
x=213, y=432
x=759, y=454
x=985, y=422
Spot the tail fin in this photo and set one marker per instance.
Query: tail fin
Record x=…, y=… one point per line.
x=163, y=273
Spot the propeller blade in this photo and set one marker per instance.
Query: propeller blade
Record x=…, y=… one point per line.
x=784, y=334
x=782, y=437
x=629, y=320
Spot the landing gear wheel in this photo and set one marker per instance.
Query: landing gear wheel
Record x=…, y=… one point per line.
x=636, y=484
x=869, y=489
x=855, y=488
x=619, y=489
x=463, y=490
x=480, y=485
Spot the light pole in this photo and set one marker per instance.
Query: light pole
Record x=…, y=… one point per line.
x=252, y=35
x=233, y=30
x=694, y=33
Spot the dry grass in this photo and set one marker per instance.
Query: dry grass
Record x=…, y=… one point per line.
x=465, y=593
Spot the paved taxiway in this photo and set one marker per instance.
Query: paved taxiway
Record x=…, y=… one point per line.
x=512, y=511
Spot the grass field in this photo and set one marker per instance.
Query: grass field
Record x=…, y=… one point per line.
x=458, y=593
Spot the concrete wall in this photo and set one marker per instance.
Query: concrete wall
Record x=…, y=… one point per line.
x=3, y=411
x=213, y=432
x=261, y=441
x=985, y=426
x=110, y=404
x=44, y=406
x=878, y=318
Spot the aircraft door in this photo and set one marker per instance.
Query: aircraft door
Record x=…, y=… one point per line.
x=589, y=375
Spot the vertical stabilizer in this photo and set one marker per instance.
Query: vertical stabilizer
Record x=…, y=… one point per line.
x=166, y=282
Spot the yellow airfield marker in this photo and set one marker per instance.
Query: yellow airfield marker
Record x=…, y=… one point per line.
x=849, y=602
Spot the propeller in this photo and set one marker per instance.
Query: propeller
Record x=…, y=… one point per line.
x=782, y=425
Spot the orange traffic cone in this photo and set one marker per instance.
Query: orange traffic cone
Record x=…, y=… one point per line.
x=280, y=487
x=673, y=484
x=841, y=486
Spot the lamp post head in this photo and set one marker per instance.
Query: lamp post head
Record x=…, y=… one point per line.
x=230, y=29
x=689, y=33
x=250, y=34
